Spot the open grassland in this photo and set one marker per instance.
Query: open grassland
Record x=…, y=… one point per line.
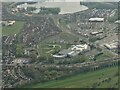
x=85, y=80
x=106, y=54
x=14, y=29
x=66, y=36
x=56, y=43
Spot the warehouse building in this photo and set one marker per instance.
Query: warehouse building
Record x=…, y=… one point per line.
x=112, y=46
x=96, y=19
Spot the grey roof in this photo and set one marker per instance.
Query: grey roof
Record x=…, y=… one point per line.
x=66, y=51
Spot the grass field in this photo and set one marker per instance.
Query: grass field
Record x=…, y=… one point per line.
x=45, y=47
x=106, y=54
x=84, y=80
x=68, y=37
x=14, y=29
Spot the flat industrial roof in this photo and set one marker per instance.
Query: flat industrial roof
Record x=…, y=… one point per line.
x=96, y=19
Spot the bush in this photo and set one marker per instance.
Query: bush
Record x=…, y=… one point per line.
x=49, y=10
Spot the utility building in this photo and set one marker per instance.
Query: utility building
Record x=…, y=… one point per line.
x=96, y=19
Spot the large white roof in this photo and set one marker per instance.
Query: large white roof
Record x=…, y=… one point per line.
x=96, y=19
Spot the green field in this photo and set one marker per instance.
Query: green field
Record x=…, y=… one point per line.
x=66, y=36
x=84, y=80
x=46, y=46
x=106, y=54
x=14, y=29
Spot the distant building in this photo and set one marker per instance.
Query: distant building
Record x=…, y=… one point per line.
x=95, y=33
x=96, y=19
x=36, y=11
x=112, y=46
x=117, y=22
x=7, y=23
x=59, y=56
x=77, y=49
x=21, y=61
x=26, y=52
x=73, y=51
x=10, y=23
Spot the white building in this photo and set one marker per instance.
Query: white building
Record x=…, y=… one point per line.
x=79, y=47
x=73, y=51
x=117, y=22
x=96, y=19
x=11, y=23
x=111, y=46
x=95, y=33
x=59, y=56
x=21, y=61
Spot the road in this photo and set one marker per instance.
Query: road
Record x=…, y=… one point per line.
x=92, y=63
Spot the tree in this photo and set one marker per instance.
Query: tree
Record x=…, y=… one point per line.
x=31, y=8
x=33, y=56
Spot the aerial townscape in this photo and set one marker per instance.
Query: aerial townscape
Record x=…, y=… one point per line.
x=62, y=44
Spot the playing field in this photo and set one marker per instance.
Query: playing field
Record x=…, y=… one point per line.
x=85, y=80
x=53, y=43
x=14, y=29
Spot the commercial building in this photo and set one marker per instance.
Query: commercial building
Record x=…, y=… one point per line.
x=96, y=19
x=95, y=33
x=117, y=22
x=7, y=23
x=10, y=23
x=59, y=56
x=22, y=61
x=112, y=46
x=72, y=51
